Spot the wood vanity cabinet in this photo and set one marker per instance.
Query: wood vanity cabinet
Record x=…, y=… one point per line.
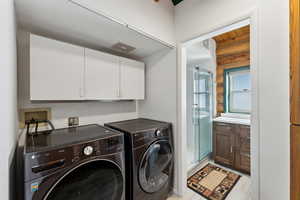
x=231, y=146
x=223, y=144
x=242, y=148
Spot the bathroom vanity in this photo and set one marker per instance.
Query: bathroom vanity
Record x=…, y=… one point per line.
x=231, y=144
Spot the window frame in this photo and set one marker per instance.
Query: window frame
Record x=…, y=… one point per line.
x=227, y=87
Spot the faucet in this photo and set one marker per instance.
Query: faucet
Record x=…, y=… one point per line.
x=36, y=122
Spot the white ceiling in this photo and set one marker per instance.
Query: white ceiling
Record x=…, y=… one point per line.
x=69, y=22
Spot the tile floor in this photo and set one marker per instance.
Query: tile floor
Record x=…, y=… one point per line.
x=241, y=190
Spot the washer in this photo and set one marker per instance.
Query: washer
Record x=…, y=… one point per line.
x=83, y=163
x=149, y=158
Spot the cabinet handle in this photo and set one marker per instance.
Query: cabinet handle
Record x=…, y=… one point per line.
x=231, y=149
x=81, y=92
x=118, y=92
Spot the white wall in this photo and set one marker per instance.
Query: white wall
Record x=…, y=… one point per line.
x=153, y=18
x=274, y=98
x=88, y=112
x=194, y=17
x=8, y=93
x=161, y=93
x=273, y=76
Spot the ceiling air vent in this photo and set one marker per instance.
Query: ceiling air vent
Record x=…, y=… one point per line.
x=124, y=48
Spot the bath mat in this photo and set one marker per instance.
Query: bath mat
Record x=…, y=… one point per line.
x=212, y=182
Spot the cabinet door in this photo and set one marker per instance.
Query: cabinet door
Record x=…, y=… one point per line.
x=242, y=150
x=295, y=61
x=101, y=76
x=224, y=144
x=56, y=70
x=132, y=79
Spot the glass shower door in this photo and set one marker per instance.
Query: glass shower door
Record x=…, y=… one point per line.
x=202, y=115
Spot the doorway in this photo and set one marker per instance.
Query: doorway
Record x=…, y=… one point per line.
x=184, y=105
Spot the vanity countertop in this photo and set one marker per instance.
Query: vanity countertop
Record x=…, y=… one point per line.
x=232, y=120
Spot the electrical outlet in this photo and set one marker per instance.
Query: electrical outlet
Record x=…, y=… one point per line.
x=73, y=121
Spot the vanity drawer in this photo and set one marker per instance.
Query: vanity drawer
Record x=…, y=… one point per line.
x=223, y=127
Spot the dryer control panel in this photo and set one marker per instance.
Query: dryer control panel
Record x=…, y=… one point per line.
x=149, y=136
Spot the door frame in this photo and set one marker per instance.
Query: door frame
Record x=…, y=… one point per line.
x=250, y=18
x=294, y=92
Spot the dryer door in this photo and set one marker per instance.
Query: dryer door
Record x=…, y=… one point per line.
x=154, y=170
x=96, y=180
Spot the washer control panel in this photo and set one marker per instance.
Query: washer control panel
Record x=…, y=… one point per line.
x=46, y=162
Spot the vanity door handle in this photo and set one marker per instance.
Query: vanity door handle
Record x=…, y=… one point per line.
x=246, y=155
x=231, y=149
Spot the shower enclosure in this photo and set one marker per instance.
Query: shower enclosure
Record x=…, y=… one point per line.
x=199, y=136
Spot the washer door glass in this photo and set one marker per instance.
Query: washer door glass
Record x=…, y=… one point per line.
x=96, y=180
x=154, y=171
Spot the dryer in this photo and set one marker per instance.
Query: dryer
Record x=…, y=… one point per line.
x=85, y=162
x=149, y=158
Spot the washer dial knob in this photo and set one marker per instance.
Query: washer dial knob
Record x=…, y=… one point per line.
x=88, y=150
x=158, y=133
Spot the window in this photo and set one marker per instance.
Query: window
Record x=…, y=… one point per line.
x=237, y=90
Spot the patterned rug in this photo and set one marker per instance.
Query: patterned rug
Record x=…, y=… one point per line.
x=212, y=182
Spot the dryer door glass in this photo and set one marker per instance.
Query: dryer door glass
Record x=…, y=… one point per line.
x=154, y=171
x=97, y=180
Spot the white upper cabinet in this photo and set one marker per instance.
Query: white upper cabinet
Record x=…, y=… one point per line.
x=132, y=79
x=101, y=75
x=61, y=71
x=56, y=70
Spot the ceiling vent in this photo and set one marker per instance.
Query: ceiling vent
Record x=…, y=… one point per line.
x=206, y=44
x=124, y=48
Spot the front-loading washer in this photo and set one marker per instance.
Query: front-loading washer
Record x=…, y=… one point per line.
x=149, y=158
x=82, y=163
